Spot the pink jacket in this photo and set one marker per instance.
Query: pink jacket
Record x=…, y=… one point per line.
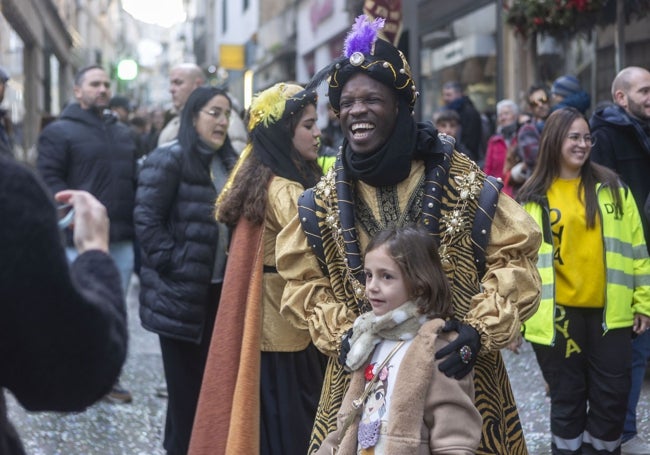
x=495, y=160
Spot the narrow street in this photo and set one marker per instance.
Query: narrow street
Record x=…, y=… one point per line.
x=136, y=428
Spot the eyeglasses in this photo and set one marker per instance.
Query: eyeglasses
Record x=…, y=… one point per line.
x=216, y=114
x=587, y=138
x=538, y=101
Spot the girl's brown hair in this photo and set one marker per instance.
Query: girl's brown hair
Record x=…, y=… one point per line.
x=416, y=254
x=547, y=168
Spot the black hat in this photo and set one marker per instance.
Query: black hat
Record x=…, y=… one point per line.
x=4, y=76
x=120, y=101
x=365, y=53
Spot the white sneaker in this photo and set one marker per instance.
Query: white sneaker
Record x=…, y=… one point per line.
x=635, y=446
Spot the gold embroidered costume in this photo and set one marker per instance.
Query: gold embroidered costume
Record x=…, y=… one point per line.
x=326, y=298
x=392, y=171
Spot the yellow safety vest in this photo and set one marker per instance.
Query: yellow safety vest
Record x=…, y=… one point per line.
x=627, y=268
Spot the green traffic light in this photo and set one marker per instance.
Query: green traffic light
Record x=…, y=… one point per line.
x=127, y=69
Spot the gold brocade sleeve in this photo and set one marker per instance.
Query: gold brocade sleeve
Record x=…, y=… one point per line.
x=278, y=335
x=308, y=301
x=511, y=286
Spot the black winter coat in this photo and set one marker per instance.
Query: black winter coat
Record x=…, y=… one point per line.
x=175, y=224
x=63, y=332
x=83, y=151
x=622, y=145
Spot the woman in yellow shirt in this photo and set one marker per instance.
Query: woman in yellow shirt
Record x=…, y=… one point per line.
x=595, y=287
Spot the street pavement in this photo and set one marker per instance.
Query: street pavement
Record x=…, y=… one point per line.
x=136, y=428
x=107, y=428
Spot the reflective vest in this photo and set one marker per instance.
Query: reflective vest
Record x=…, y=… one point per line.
x=627, y=289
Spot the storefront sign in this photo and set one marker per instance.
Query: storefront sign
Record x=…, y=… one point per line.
x=462, y=49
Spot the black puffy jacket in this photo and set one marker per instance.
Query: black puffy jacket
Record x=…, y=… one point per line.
x=622, y=145
x=177, y=230
x=84, y=151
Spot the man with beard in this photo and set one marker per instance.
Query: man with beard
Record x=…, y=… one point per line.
x=390, y=172
x=622, y=142
x=86, y=148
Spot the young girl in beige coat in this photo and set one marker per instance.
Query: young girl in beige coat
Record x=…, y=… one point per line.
x=398, y=401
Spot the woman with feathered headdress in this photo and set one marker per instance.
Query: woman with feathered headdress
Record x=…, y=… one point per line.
x=250, y=403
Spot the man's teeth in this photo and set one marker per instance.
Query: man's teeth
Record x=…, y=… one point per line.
x=362, y=126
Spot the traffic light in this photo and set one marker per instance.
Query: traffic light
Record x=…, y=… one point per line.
x=127, y=69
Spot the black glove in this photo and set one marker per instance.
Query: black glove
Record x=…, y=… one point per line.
x=345, y=348
x=463, y=350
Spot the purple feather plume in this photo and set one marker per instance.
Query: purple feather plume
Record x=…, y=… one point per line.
x=362, y=36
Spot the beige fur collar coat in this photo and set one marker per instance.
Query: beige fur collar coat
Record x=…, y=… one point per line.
x=429, y=414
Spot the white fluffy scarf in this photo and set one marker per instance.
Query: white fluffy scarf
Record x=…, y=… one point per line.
x=402, y=323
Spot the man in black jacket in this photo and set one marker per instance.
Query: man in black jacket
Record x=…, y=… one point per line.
x=622, y=143
x=471, y=125
x=88, y=149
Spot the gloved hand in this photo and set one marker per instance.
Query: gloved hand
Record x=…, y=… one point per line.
x=462, y=351
x=345, y=348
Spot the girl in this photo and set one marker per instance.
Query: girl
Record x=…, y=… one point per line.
x=183, y=250
x=398, y=400
x=589, y=307
x=275, y=393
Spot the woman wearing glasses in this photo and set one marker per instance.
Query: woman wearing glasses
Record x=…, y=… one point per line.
x=184, y=250
x=595, y=287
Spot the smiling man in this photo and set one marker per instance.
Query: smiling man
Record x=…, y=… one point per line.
x=392, y=171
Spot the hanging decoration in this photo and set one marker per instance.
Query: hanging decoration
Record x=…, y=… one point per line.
x=562, y=18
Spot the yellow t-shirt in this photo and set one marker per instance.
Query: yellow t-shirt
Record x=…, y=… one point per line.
x=578, y=254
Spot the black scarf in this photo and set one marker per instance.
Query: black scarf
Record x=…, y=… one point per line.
x=272, y=145
x=392, y=163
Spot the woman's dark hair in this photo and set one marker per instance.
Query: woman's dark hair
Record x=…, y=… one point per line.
x=535, y=87
x=547, y=169
x=416, y=253
x=188, y=137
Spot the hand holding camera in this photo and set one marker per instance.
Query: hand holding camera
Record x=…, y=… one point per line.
x=87, y=217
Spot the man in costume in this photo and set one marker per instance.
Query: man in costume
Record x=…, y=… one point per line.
x=392, y=171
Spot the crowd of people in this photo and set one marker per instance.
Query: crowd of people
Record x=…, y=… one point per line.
x=340, y=293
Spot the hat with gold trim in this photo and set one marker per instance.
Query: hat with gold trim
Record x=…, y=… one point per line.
x=364, y=52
